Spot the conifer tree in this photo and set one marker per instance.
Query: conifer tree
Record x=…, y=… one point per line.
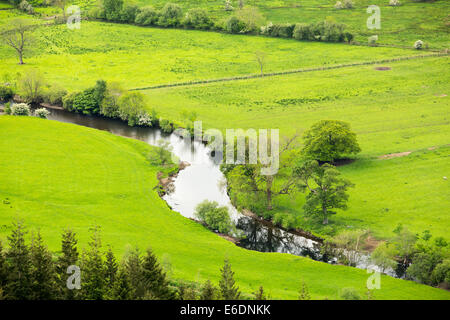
x=18, y=285
x=110, y=269
x=93, y=269
x=68, y=258
x=228, y=289
x=304, y=292
x=43, y=273
x=154, y=278
x=260, y=294
x=121, y=289
x=3, y=272
x=133, y=267
x=208, y=291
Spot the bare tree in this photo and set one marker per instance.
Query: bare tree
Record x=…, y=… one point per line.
x=18, y=36
x=261, y=59
x=241, y=4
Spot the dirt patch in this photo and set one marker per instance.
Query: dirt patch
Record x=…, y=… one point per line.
x=371, y=244
x=440, y=95
x=395, y=155
x=383, y=68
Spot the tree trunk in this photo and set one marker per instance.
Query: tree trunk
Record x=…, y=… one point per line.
x=325, y=220
x=20, y=57
x=269, y=193
x=325, y=215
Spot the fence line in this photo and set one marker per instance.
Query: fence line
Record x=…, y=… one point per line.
x=279, y=73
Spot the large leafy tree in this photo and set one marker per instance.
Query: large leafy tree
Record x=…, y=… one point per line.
x=327, y=189
x=330, y=140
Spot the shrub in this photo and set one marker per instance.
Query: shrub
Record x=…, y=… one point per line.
x=7, y=108
x=26, y=7
x=6, y=93
x=215, y=217
x=165, y=126
x=394, y=3
x=198, y=19
x=113, y=9
x=302, y=31
x=109, y=107
x=31, y=86
x=350, y=294
x=160, y=155
x=54, y=95
x=85, y=102
x=128, y=13
x=41, y=113
x=348, y=37
x=282, y=30
x=170, y=15
x=251, y=18
x=441, y=274
x=267, y=29
x=131, y=107
x=97, y=13
x=418, y=44
x=339, y=5
x=20, y=109
x=68, y=101
x=147, y=16
x=234, y=25
x=348, y=4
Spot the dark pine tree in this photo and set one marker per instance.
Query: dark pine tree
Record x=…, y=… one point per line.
x=228, y=288
x=110, y=269
x=155, y=281
x=18, y=285
x=93, y=269
x=43, y=271
x=208, y=291
x=133, y=267
x=69, y=256
x=260, y=294
x=3, y=273
x=121, y=289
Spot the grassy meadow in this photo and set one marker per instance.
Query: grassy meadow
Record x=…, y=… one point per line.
x=60, y=175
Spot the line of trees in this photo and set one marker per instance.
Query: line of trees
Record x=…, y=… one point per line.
x=309, y=169
x=32, y=272
x=245, y=19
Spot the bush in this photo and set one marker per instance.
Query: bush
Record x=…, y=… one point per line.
x=54, y=95
x=41, y=113
x=441, y=274
x=234, y=25
x=26, y=7
x=348, y=37
x=113, y=9
x=31, y=86
x=165, y=126
x=160, y=155
x=339, y=5
x=6, y=93
x=128, y=13
x=68, y=101
x=251, y=18
x=281, y=30
x=302, y=31
x=198, y=19
x=170, y=15
x=131, y=108
x=215, y=217
x=418, y=44
x=20, y=109
x=350, y=294
x=85, y=102
x=394, y=3
x=97, y=13
x=109, y=107
x=147, y=16
x=348, y=4
x=7, y=108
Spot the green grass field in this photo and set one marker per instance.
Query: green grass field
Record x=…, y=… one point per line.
x=60, y=175
x=141, y=57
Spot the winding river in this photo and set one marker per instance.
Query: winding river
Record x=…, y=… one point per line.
x=203, y=180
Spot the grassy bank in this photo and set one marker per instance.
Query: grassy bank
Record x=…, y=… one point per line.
x=59, y=175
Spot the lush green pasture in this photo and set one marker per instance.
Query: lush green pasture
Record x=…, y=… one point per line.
x=399, y=25
x=60, y=175
x=140, y=57
x=398, y=110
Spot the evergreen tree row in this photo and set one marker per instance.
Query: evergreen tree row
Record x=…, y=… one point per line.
x=32, y=272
